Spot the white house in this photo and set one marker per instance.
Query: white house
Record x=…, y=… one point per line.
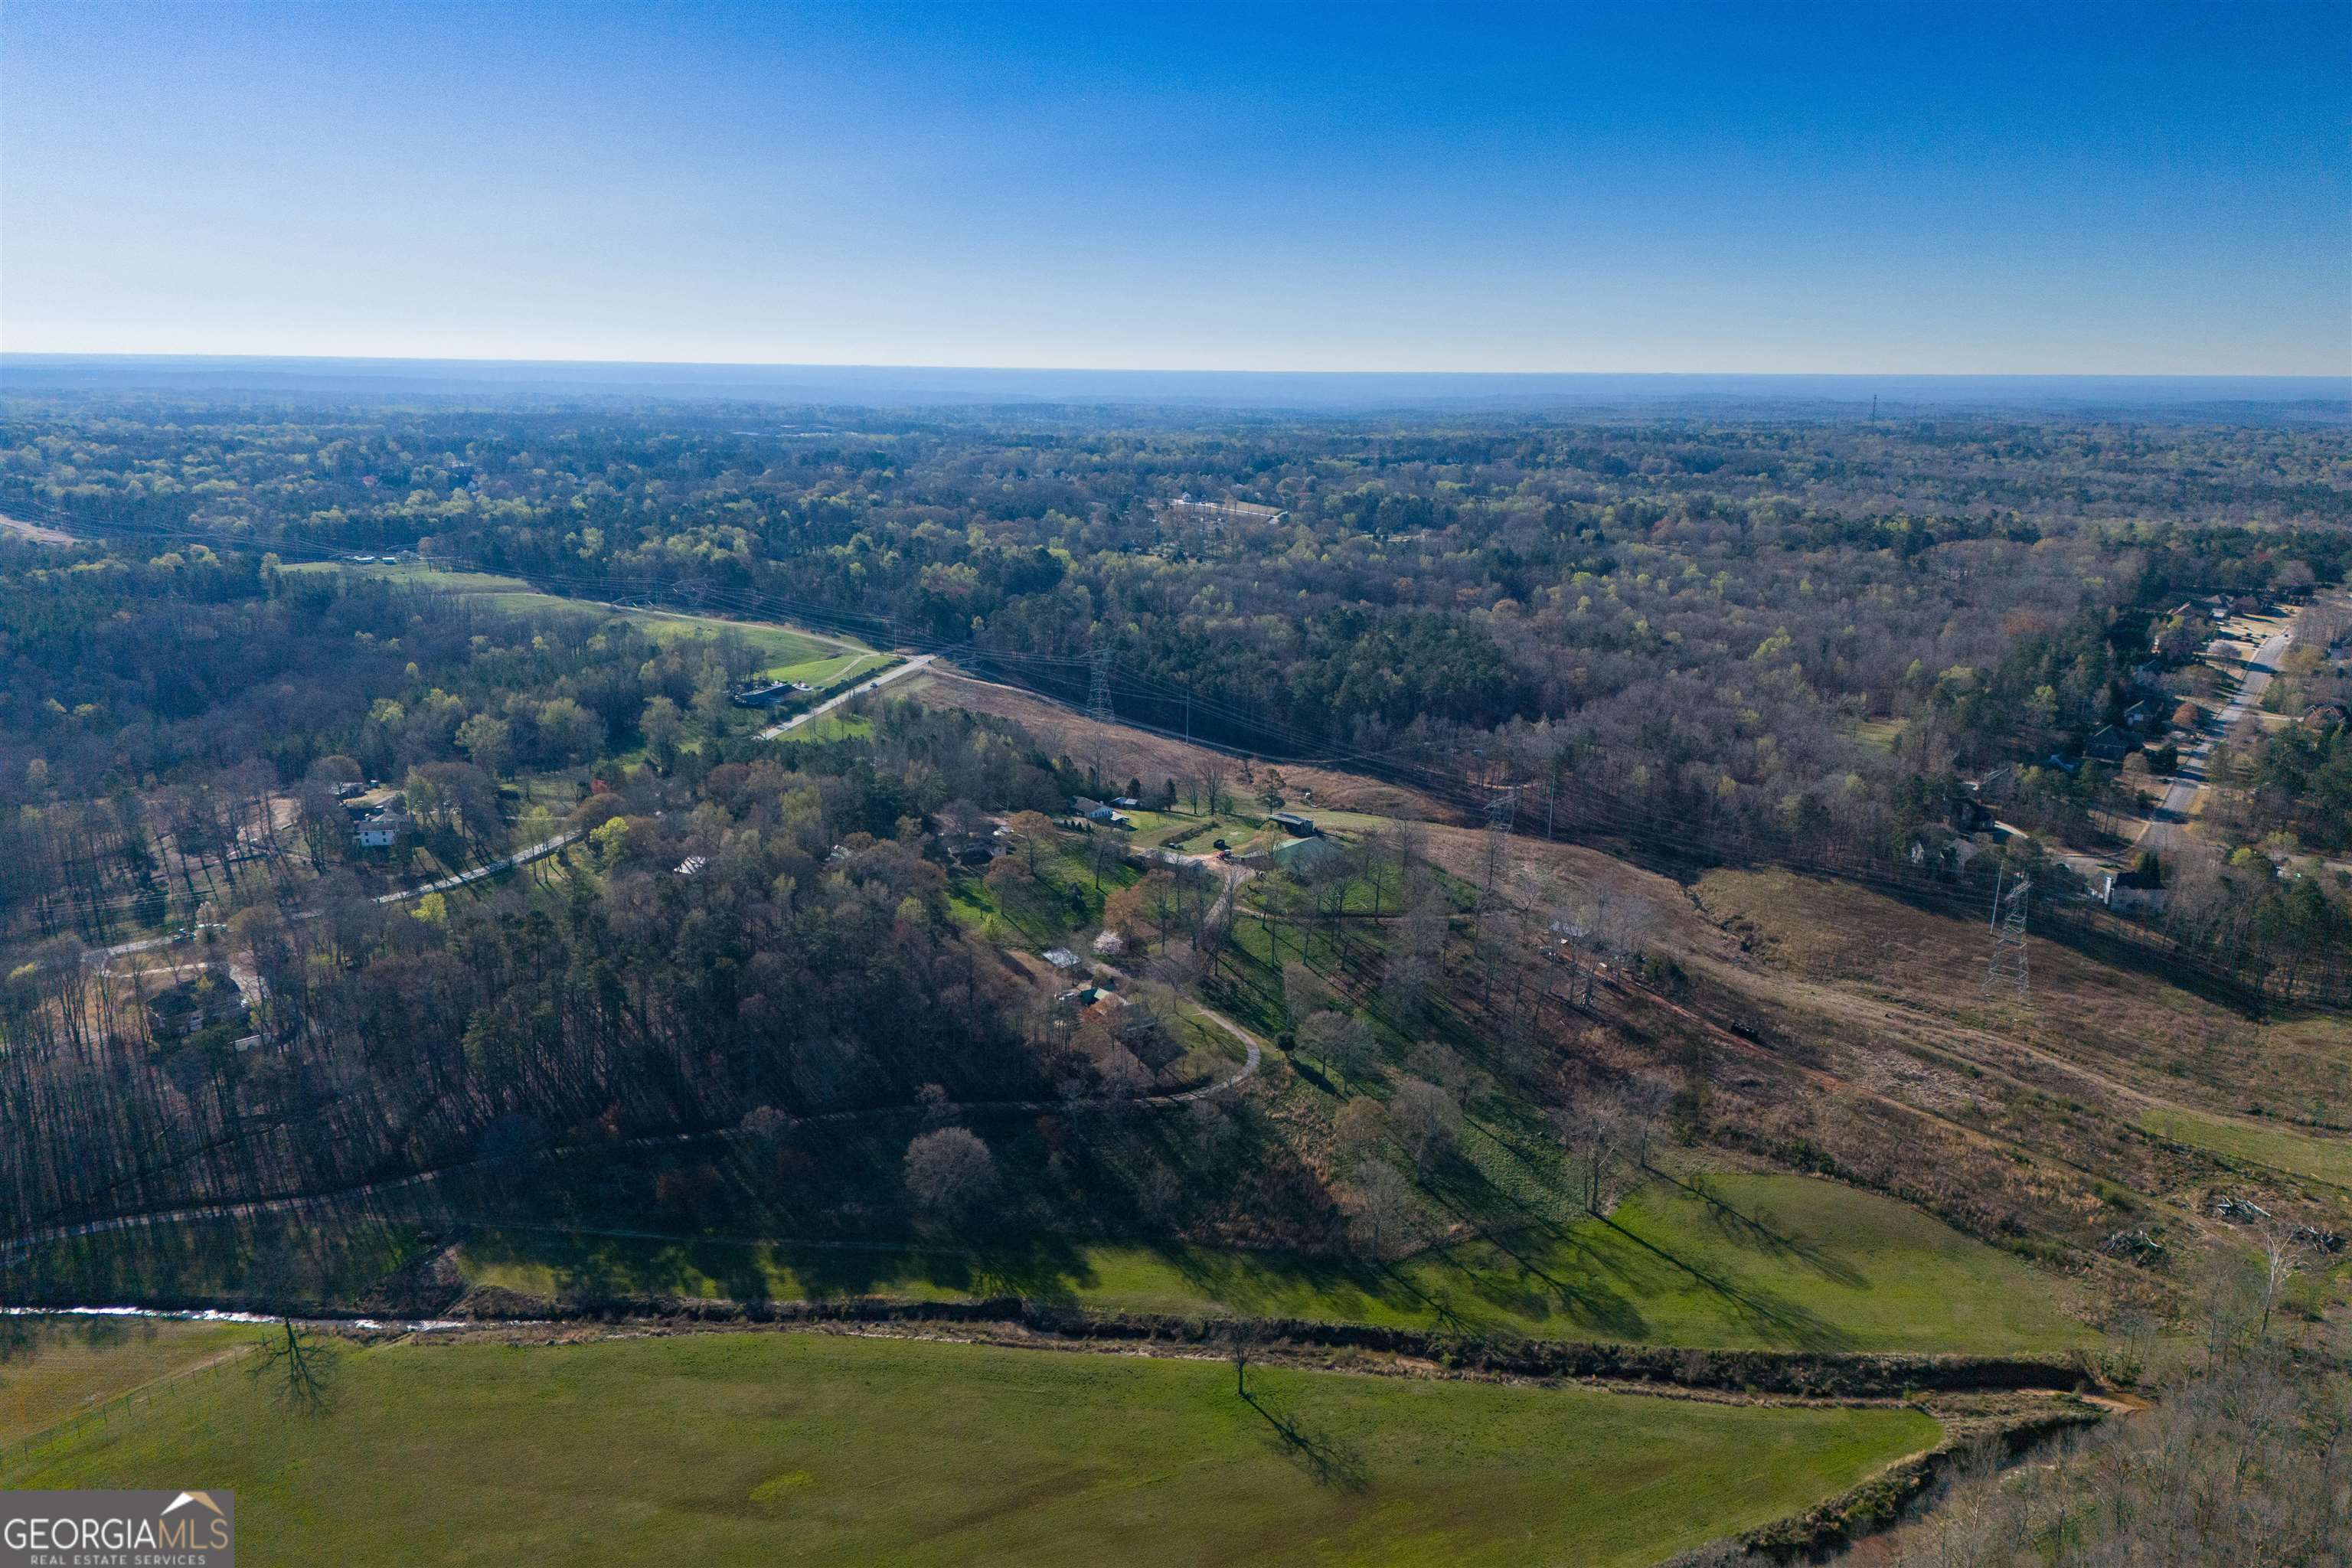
x=383, y=830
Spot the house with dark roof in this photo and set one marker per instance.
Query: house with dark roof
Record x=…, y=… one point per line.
x=770, y=694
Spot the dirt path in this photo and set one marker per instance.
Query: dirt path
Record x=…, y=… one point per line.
x=35, y=531
x=1132, y=751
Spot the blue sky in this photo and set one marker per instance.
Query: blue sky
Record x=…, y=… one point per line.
x=1891, y=187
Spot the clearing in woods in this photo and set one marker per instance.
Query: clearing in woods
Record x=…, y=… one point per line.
x=765, y=1447
x=786, y=648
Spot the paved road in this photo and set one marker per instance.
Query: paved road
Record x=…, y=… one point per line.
x=2168, y=825
x=504, y=863
x=921, y=661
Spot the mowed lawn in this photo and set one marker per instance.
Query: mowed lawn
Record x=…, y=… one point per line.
x=728, y=1448
x=2298, y=1154
x=1728, y=1262
x=52, y=1368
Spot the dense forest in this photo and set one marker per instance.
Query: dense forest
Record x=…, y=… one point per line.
x=1801, y=640
x=745, y=938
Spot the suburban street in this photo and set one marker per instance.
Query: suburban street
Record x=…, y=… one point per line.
x=2166, y=825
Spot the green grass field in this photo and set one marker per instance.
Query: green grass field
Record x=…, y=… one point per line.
x=831, y=668
x=763, y=1448
x=1775, y=1262
x=2303, y=1154
x=786, y=650
x=419, y=576
x=834, y=726
x=52, y=1368
x=1062, y=899
x=783, y=648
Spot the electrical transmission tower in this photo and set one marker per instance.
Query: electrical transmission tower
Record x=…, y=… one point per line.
x=1502, y=814
x=2005, y=969
x=1098, y=690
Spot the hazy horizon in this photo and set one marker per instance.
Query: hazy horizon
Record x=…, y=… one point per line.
x=2259, y=399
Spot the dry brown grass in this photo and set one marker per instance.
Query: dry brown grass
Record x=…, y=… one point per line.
x=1126, y=753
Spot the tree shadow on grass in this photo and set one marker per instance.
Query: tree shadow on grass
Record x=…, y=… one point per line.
x=593, y=1263
x=1754, y=1231
x=1327, y=1458
x=1773, y=1317
x=1594, y=1307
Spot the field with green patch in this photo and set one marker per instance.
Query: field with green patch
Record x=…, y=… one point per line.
x=52, y=1368
x=805, y=1447
x=831, y=668
x=416, y=575
x=1063, y=896
x=1734, y=1262
x=2299, y=1153
x=791, y=655
x=836, y=725
x=783, y=648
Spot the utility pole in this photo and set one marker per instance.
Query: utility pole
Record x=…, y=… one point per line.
x=2005, y=966
x=1098, y=690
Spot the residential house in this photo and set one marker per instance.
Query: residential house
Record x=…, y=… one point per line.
x=208, y=997
x=767, y=694
x=383, y=830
